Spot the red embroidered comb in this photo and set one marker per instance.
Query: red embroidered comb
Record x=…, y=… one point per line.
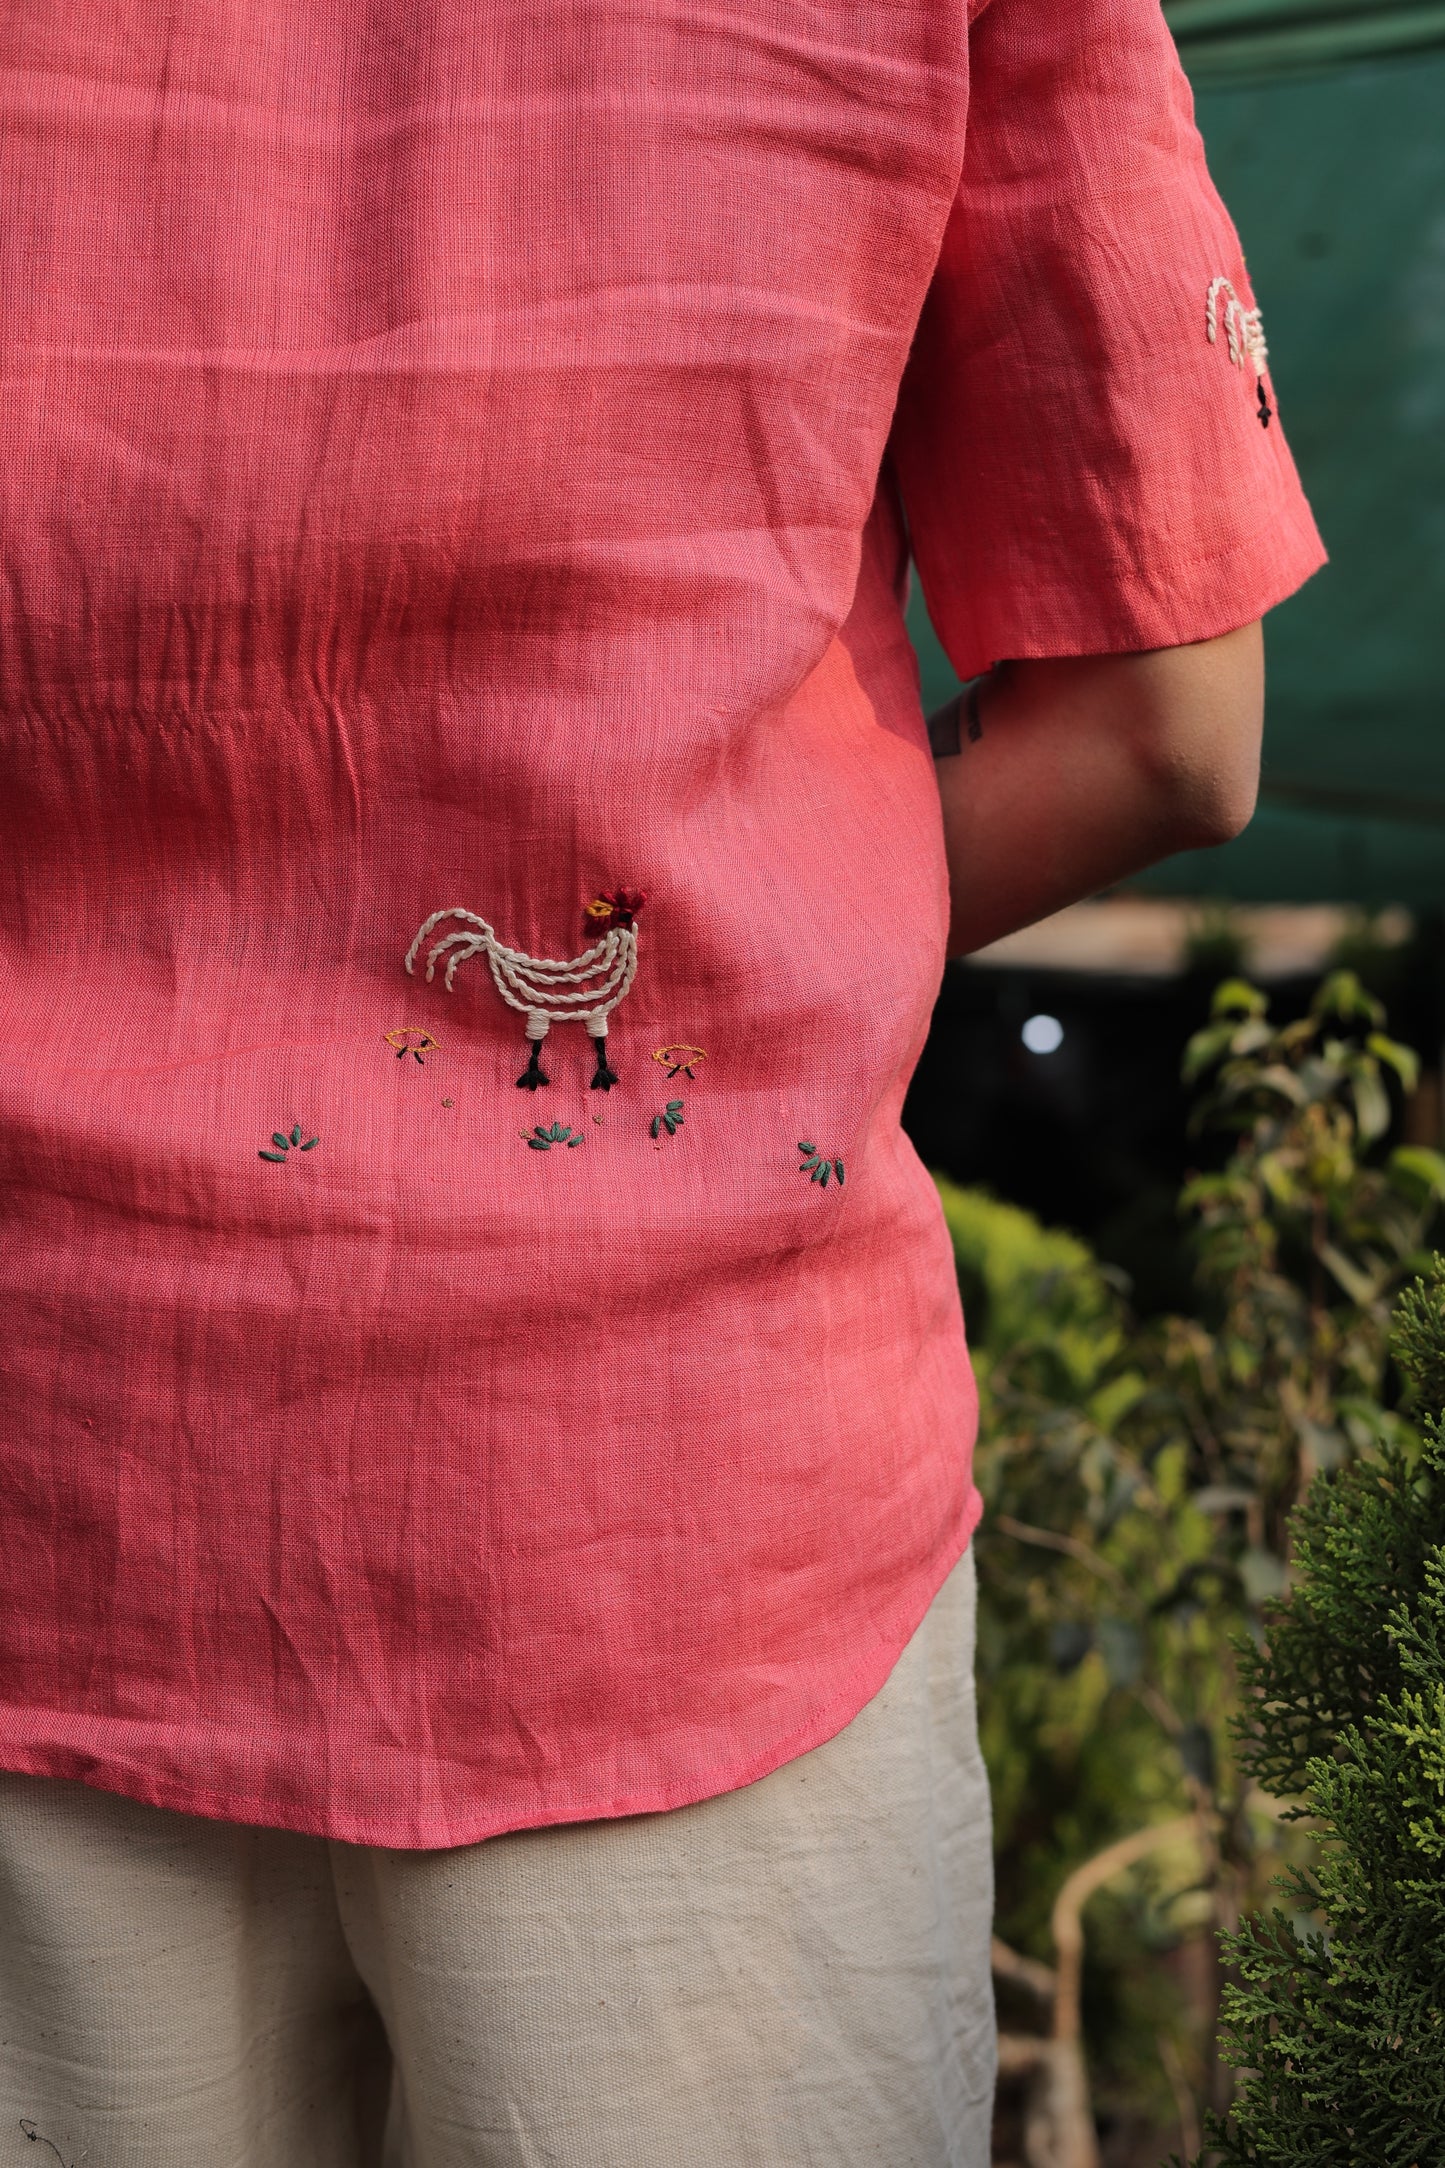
x=615, y=907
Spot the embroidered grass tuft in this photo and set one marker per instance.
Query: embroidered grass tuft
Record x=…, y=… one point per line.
x=284, y=1145
x=818, y=1169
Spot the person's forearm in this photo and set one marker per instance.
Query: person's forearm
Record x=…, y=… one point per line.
x=1083, y=770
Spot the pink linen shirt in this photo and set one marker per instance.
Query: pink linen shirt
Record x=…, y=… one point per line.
x=465, y=460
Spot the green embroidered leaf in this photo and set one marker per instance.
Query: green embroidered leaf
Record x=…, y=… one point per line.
x=656, y=1123
x=279, y=1158
x=296, y=1134
x=674, y=1106
x=838, y=1170
x=807, y=1147
x=826, y=1171
x=573, y=1142
x=281, y=1143
x=309, y=1142
x=539, y=1144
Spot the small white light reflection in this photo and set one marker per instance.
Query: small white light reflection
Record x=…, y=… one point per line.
x=1043, y=1034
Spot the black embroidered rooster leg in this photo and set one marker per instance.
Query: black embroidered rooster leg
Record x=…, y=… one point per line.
x=534, y=1074
x=605, y=1076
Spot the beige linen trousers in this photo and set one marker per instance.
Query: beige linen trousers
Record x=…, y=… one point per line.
x=793, y=1975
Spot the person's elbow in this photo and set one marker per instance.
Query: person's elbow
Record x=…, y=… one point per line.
x=1197, y=723
x=1203, y=798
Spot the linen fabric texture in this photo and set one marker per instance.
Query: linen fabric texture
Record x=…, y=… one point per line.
x=467, y=458
x=795, y=1971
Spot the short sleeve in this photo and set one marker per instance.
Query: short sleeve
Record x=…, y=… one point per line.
x=1086, y=439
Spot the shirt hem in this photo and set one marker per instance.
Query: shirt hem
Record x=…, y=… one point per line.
x=110, y=1772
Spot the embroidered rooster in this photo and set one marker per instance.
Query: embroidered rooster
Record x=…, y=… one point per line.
x=1244, y=335
x=586, y=990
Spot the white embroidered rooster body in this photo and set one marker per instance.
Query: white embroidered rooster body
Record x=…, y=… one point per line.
x=585, y=990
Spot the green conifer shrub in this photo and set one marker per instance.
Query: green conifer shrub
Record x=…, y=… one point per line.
x=1340, y=2029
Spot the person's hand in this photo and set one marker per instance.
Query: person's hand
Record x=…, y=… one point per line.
x=1072, y=773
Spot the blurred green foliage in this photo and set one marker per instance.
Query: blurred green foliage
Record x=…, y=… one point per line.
x=1139, y=1477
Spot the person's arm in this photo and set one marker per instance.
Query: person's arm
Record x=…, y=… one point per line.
x=1090, y=458
x=1074, y=772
